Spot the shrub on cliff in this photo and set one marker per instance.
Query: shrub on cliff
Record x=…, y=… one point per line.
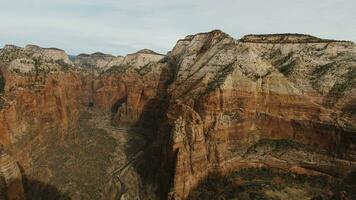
x=2, y=84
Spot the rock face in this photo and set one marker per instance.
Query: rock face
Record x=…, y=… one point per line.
x=127, y=89
x=45, y=101
x=11, y=179
x=211, y=107
x=229, y=94
x=39, y=106
x=97, y=61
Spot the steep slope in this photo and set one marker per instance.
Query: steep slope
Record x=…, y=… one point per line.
x=128, y=90
x=48, y=110
x=228, y=95
x=11, y=186
x=40, y=106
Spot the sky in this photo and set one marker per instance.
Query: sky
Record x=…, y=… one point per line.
x=120, y=27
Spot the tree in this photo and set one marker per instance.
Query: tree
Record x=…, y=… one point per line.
x=38, y=62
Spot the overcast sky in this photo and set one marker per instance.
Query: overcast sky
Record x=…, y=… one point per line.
x=124, y=26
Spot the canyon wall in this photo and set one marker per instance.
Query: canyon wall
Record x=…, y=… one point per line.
x=40, y=104
x=45, y=96
x=228, y=95
x=11, y=186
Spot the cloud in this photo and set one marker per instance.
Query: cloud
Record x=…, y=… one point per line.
x=124, y=26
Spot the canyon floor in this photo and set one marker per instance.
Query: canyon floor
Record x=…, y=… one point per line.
x=97, y=161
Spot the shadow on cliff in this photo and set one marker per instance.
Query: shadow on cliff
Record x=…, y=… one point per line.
x=37, y=190
x=149, y=124
x=257, y=183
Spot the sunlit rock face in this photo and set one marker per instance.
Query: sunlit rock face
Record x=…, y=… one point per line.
x=213, y=109
x=229, y=94
x=39, y=105
x=46, y=107
x=45, y=95
x=102, y=62
x=97, y=61
x=128, y=89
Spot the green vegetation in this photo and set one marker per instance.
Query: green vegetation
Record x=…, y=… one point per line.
x=340, y=88
x=80, y=164
x=287, y=68
x=37, y=63
x=322, y=69
x=282, y=145
x=267, y=183
x=220, y=78
x=65, y=66
x=2, y=103
x=319, y=72
x=2, y=84
x=144, y=70
x=350, y=109
x=117, y=69
x=285, y=38
x=9, y=55
x=16, y=70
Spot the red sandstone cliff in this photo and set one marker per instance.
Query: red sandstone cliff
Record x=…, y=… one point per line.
x=215, y=105
x=228, y=95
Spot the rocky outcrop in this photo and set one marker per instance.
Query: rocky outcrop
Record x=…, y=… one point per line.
x=102, y=62
x=43, y=101
x=49, y=54
x=97, y=61
x=11, y=186
x=284, y=38
x=130, y=89
x=238, y=92
x=39, y=106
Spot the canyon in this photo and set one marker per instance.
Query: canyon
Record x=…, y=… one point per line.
x=262, y=117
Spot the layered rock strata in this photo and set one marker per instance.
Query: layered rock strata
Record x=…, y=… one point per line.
x=228, y=95
x=11, y=185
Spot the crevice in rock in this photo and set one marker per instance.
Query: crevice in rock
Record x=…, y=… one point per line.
x=117, y=105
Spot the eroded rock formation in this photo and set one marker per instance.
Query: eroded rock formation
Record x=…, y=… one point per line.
x=212, y=106
x=229, y=94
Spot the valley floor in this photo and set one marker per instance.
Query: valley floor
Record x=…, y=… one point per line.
x=96, y=162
